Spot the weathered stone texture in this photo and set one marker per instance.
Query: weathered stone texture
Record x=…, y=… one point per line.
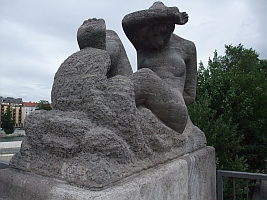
x=120, y=64
x=201, y=174
x=92, y=33
x=108, y=123
x=189, y=177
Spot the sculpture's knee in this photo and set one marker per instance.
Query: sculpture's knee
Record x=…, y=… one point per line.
x=146, y=83
x=145, y=76
x=145, y=71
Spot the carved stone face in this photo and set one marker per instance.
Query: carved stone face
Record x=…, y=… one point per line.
x=159, y=35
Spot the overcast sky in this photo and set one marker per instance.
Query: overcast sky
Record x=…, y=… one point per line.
x=37, y=36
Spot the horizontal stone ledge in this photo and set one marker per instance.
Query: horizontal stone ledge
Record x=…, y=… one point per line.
x=188, y=177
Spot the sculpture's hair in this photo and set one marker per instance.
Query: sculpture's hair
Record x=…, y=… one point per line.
x=92, y=33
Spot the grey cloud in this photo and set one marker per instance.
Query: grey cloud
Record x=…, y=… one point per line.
x=37, y=36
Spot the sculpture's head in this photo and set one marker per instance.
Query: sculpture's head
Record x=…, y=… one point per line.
x=159, y=35
x=92, y=33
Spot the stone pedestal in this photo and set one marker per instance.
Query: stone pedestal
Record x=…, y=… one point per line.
x=192, y=176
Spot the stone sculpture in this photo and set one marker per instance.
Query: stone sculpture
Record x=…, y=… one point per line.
x=166, y=78
x=107, y=122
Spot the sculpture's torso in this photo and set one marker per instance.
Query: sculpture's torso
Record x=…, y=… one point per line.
x=168, y=64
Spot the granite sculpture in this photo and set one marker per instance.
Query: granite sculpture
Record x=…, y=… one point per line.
x=166, y=78
x=107, y=122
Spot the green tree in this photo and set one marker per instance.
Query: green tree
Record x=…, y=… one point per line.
x=8, y=122
x=44, y=105
x=231, y=107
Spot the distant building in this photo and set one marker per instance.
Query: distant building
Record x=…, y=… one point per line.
x=18, y=110
x=1, y=111
x=29, y=107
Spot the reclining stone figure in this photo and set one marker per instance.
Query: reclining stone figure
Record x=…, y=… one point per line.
x=107, y=122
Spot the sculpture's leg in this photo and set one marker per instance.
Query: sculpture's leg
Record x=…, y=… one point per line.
x=166, y=103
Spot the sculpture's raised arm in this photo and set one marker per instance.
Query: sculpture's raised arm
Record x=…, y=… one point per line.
x=157, y=14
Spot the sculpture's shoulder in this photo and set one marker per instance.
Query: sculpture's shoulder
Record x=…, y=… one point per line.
x=112, y=36
x=120, y=64
x=184, y=45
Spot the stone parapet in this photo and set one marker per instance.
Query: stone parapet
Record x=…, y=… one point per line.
x=192, y=176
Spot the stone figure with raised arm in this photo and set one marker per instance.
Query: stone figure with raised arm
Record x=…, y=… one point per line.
x=166, y=78
x=108, y=125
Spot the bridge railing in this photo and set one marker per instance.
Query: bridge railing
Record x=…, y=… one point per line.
x=238, y=175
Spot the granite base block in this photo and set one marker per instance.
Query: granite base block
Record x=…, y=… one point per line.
x=192, y=176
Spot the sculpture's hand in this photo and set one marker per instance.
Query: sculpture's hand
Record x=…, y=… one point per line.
x=183, y=18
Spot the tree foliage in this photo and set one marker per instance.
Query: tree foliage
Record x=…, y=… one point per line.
x=8, y=122
x=44, y=105
x=231, y=107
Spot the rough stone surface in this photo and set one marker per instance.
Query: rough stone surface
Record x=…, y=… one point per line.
x=69, y=146
x=92, y=33
x=120, y=64
x=166, y=78
x=189, y=177
x=108, y=123
x=201, y=174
